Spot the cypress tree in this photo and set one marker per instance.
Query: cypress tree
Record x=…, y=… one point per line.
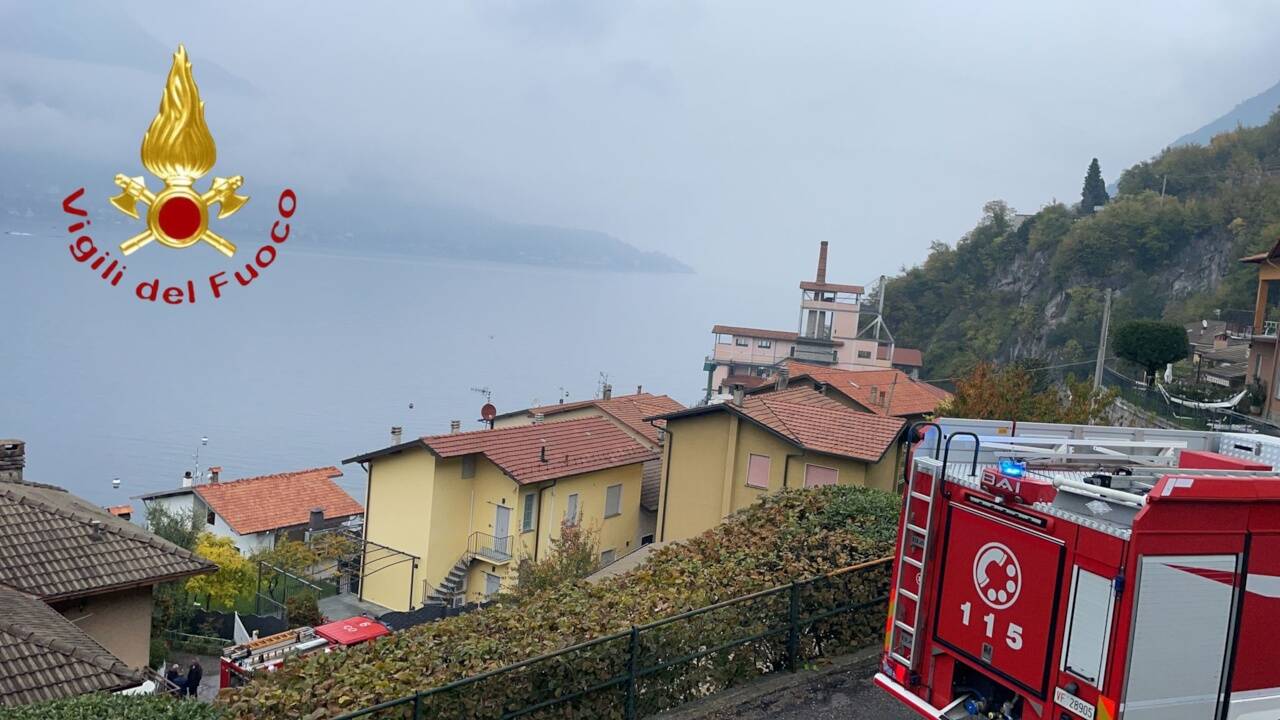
x=1094, y=193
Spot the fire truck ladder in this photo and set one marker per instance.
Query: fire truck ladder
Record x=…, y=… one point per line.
x=914, y=551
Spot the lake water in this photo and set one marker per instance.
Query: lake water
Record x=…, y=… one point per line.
x=322, y=354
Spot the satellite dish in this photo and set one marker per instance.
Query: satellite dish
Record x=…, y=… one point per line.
x=488, y=412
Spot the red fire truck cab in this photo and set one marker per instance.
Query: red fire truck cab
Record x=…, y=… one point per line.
x=1056, y=572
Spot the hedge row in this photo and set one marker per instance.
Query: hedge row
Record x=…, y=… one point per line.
x=114, y=707
x=794, y=534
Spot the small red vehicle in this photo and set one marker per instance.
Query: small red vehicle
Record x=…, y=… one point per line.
x=240, y=662
x=1057, y=572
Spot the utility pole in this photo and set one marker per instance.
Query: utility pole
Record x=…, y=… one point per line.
x=1102, y=342
x=880, y=311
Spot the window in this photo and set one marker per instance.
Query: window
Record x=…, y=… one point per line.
x=530, y=511
x=1088, y=625
x=724, y=339
x=864, y=354
x=758, y=471
x=209, y=518
x=571, y=510
x=646, y=540
x=608, y=556
x=817, y=475
x=613, y=500
x=741, y=341
x=764, y=344
x=468, y=466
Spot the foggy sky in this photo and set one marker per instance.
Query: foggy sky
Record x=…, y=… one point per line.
x=732, y=135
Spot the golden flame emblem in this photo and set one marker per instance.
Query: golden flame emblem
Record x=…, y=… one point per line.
x=178, y=148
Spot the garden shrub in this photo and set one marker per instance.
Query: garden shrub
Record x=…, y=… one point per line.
x=99, y=706
x=788, y=536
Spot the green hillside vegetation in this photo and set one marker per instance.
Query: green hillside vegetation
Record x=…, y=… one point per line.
x=791, y=535
x=1017, y=286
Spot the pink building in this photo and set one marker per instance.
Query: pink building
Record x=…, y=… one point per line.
x=833, y=331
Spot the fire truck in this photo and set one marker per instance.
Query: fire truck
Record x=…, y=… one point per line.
x=265, y=654
x=1060, y=572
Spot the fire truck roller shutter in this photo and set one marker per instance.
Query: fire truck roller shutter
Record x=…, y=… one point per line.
x=1181, y=637
x=998, y=603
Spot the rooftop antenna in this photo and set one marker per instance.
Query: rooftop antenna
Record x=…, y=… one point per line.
x=204, y=441
x=601, y=383
x=485, y=391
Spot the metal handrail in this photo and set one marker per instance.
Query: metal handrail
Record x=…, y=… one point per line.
x=476, y=545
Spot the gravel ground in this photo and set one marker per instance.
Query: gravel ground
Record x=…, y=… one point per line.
x=846, y=695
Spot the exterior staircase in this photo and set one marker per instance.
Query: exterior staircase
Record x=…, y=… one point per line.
x=452, y=585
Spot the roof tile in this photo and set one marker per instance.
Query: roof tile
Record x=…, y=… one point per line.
x=44, y=656
x=906, y=395
x=572, y=447
x=49, y=546
x=271, y=502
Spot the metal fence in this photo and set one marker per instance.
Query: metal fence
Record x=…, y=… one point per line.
x=663, y=664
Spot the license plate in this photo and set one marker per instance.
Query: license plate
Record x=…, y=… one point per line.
x=1073, y=703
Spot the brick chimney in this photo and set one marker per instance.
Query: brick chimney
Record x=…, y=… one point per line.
x=396, y=433
x=12, y=459
x=215, y=473
x=822, y=263
x=455, y=426
x=608, y=391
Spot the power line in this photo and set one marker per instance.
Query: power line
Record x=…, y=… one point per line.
x=1030, y=370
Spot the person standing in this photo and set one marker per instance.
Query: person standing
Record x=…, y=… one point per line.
x=194, y=674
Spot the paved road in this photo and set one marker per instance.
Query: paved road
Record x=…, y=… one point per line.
x=843, y=695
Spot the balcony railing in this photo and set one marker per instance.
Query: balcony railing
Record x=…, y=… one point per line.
x=490, y=547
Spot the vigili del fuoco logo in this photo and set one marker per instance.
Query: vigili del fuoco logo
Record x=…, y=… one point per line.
x=179, y=150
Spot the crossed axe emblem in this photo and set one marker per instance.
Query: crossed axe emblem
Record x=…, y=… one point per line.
x=178, y=216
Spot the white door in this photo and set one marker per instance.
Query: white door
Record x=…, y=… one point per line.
x=502, y=530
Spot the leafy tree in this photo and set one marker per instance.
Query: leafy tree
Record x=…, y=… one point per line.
x=1094, y=193
x=1011, y=393
x=1150, y=344
x=170, y=606
x=234, y=577
x=177, y=526
x=574, y=555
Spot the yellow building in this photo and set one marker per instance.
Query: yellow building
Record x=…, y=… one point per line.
x=721, y=458
x=472, y=505
x=627, y=412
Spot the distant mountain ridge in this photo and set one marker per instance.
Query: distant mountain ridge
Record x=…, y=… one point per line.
x=360, y=224
x=1251, y=113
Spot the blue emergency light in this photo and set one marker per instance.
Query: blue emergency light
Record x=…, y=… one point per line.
x=1012, y=468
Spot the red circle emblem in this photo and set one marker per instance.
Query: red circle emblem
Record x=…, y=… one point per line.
x=179, y=217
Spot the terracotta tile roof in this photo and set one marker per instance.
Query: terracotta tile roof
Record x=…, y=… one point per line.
x=630, y=410
x=44, y=656
x=814, y=422
x=907, y=396
x=120, y=510
x=754, y=332
x=749, y=382
x=51, y=548
x=910, y=357
x=572, y=447
x=271, y=502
